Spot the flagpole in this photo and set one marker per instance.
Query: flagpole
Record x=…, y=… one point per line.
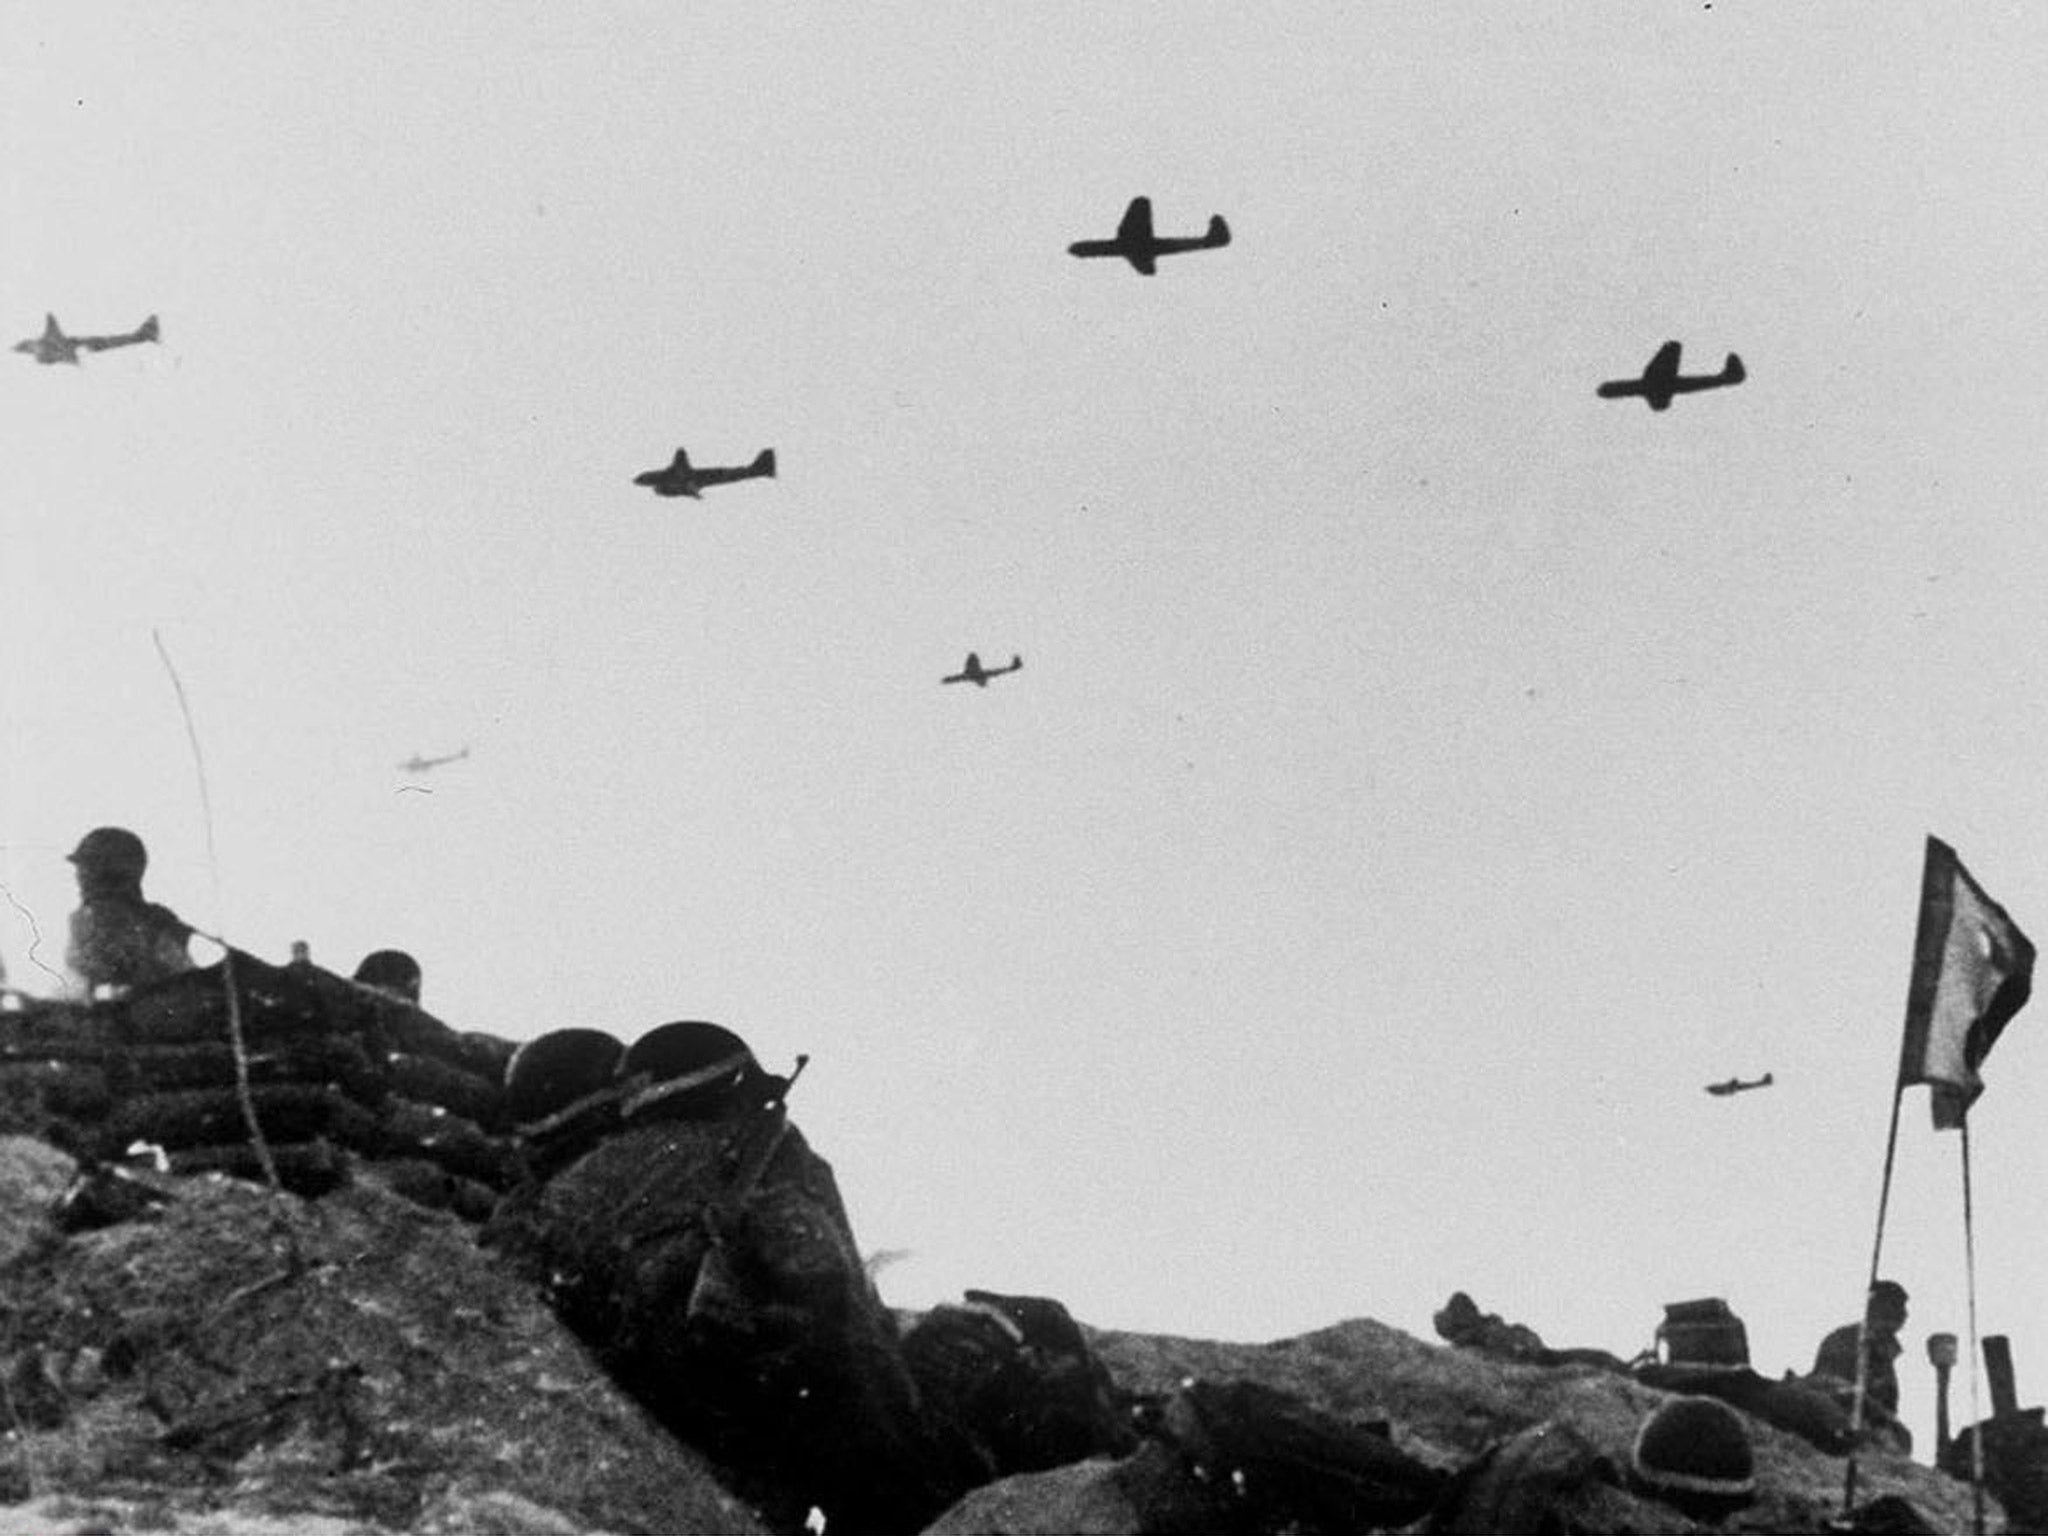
x=1970, y=1284
x=1884, y=1195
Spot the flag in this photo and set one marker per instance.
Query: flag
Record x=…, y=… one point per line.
x=1972, y=971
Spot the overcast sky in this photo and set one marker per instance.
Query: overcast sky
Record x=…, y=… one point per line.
x=1424, y=776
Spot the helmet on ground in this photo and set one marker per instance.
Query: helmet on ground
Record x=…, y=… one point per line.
x=114, y=850
x=1695, y=1452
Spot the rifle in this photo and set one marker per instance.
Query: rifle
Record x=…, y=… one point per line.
x=754, y=1145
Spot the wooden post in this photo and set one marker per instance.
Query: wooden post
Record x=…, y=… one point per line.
x=2005, y=1397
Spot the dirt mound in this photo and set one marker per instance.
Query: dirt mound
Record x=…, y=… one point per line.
x=356, y=1360
x=1448, y=1406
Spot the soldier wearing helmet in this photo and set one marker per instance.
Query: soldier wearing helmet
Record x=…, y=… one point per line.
x=392, y=971
x=118, y=938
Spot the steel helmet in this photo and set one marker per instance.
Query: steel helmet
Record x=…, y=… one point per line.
x=391, y=970
x=113, y=849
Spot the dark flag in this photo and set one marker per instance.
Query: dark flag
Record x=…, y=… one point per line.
x=1972, y=971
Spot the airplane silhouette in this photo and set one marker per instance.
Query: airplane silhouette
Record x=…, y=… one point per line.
x=1661, y=380
x=974, y=672
x=418, y=764
x=1136, y=243
x=53, y=346
x=1736, y=1085
x=682, y=479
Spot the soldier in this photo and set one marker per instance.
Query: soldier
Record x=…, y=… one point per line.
x=391, y=971
x=119, y=939
x=1884, y=1316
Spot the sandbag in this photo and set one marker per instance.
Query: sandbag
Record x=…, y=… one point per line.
x=448, y=1140
x=50, y=1027
x=317, y=1059
x=65, y=1089
x=272, y=1001
x=306, y=1168
x=433, y=1080
x=427, y=1183
x=198, y=1117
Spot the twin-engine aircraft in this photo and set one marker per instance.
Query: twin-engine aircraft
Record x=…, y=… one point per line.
x=974, y=672
x=53, y=346
x=1136, y=243
x=681, y=478
x=1661, y=379
x=1736, y=1085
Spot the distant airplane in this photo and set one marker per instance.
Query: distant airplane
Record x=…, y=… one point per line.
x=1661, y=380
x=53, y=346
x=1736, y=1085
x=974, y=672
x=418, y=764
x=1136, y=243
x=681, y=479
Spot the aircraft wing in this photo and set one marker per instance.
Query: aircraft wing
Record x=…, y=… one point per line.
x=1663, y=368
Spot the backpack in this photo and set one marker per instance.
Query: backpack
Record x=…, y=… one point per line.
x=1703, y=1333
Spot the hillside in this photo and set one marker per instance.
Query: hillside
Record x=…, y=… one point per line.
x=234, y=1362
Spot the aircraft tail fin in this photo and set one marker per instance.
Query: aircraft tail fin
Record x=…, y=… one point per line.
x=1732, y=371
x=764, y=463
x=149, y=330
x=1219, y=232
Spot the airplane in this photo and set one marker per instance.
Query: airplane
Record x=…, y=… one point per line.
x=974, y=672
x=682, y=479
x=53, y=346
x=1661, y=380
x=1136, y=243
x=1736, y=1085
x=418, y=764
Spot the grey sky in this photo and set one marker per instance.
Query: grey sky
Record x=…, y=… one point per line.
x=1424, y=776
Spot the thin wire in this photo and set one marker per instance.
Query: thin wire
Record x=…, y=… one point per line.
x=243, y=1096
